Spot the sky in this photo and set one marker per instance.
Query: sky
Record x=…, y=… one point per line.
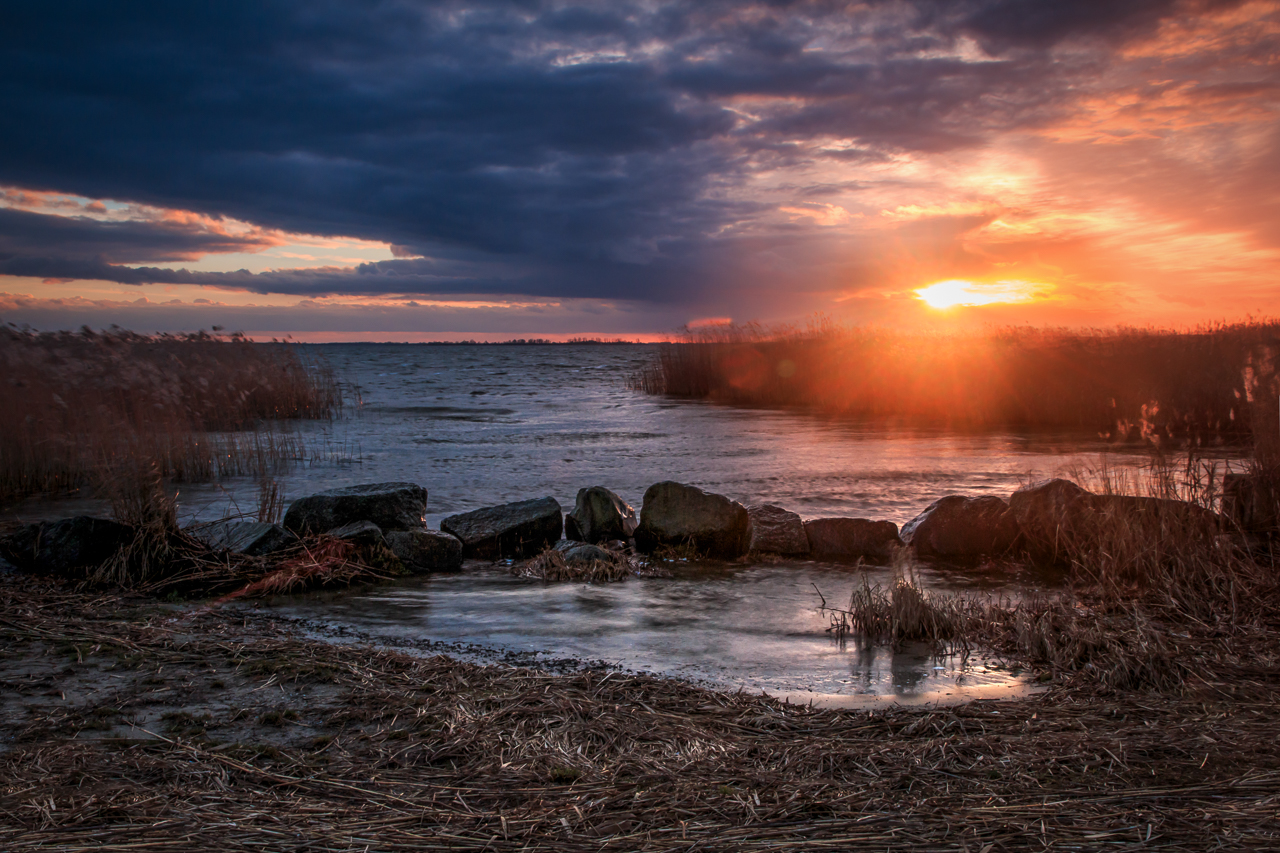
x=403, y=170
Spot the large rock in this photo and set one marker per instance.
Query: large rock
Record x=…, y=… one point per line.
x=1058, y=518
x=1168, y=516
x=851, y=538
x=69, y=546
x=426, y=550
x=520, y=529
x=251, y=538
x=1252, y=502
x=1048, y=514
x=599, y=516
x=362, y=534
x=391, y=506
x=674, y=514
x=775, y=530
x=961, y=528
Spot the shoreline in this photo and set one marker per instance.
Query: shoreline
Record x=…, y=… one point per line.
x=226, y=728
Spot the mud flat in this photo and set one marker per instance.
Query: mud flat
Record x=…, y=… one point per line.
x=128, y=724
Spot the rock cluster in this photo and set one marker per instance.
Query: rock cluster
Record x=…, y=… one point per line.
x=1045, y=520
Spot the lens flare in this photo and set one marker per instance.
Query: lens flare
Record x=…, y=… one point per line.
x=959, y=292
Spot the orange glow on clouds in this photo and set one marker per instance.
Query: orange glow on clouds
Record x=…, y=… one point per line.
x=959, y=292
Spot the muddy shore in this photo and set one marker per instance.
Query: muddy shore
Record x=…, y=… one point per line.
x=126, y=724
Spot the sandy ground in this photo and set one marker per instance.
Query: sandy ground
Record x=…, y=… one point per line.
x=127, y=724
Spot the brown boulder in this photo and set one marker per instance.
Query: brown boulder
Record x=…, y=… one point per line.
x=962, y=528
x=1047, y=513
x=851, y=538
x=775, y=530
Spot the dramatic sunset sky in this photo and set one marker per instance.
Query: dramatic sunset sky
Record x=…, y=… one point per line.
x=434, y=170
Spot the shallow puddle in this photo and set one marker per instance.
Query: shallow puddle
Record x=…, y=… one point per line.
x=755, y=628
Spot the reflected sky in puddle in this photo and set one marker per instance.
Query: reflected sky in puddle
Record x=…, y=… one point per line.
x=755, y=628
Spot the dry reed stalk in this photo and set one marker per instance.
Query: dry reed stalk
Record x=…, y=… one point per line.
x=200, y=406
x=551, y=566
x=905, y=612
x=378, y=750
x=321, y=562
x=270, y=501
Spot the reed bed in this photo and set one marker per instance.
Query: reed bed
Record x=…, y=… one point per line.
x=220, y=730
x=1195, y=387
x=73, y=406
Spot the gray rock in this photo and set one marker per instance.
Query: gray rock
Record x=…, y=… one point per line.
x=67, y=547
x=362, y=533
x=851, y=538
x=775, y=530
x=517, y=530
x=426, y=550
x=962, y=528
x=1048, y=514
x=252, y=538
x=1252, y=502
x=391, y=506
x=599, y=515
x=583, y=553
x=674, y=514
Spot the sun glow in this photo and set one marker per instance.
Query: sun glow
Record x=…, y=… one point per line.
x=957, y=291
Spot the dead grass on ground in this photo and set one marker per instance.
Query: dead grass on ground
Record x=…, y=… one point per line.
x=261, y=740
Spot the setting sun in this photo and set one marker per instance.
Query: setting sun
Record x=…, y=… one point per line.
x=958, y=291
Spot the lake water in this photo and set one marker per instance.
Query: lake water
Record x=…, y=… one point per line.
x=481, y=425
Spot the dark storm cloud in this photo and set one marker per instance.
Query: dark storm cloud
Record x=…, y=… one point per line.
x=82, y=238
x=544, y=148
x=1005, y=24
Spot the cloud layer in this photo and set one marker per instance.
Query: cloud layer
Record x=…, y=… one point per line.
x=752, y=159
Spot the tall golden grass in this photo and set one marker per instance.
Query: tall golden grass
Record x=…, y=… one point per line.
x=1182, y=387
x=75, y=407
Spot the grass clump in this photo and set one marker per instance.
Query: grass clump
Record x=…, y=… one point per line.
x=552, y=565
x=905, y=612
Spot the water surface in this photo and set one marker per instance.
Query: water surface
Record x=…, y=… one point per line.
x=481, y=425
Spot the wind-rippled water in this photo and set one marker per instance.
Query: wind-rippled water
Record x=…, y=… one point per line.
x=481, y=425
